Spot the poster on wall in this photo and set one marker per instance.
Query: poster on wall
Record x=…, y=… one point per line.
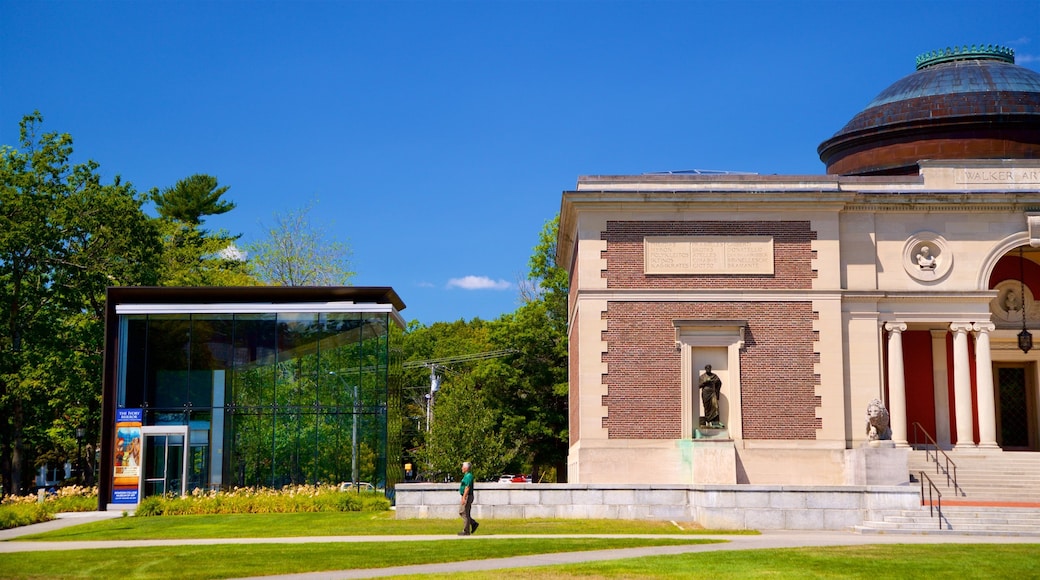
x=126, y=475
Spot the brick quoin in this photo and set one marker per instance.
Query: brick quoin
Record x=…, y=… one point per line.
x=792, y=254
x=644, y=378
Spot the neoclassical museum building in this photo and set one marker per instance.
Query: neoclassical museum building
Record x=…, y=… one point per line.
x=908, y=273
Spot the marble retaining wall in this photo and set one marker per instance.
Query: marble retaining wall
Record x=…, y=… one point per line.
x=732, y=507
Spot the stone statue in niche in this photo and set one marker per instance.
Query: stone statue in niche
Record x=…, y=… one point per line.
x=878, y=422
x=925, y=259
x=1012, y=301
x=710, y=386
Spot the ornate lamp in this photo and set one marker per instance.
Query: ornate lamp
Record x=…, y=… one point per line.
x=1025, y=339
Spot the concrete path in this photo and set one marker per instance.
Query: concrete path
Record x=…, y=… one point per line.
x=775, y=539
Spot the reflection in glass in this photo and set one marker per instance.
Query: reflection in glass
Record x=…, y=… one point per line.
x=269, y=399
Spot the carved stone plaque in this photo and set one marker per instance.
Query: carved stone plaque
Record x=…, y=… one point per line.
x=708, y=255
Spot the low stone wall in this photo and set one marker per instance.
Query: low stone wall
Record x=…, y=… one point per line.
x=729, y=507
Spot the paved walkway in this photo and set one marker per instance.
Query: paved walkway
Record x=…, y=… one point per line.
x=776, y=539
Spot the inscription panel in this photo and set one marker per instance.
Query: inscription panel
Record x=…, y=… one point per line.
x=708, y=255
x=1002, y=176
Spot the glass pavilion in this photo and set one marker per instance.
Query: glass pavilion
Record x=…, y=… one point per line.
x=216, y=388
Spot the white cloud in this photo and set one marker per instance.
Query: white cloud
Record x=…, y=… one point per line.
x=426, y=285
x=478, y=283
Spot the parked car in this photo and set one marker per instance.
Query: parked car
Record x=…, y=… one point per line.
x=360, y=486
x=514, y=479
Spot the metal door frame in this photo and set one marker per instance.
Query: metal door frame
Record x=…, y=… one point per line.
x=163, y=430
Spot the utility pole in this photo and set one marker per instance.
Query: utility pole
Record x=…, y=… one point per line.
x=436, y=364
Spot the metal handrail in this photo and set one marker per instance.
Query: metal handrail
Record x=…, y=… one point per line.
x=937, y=504
x=950, y=467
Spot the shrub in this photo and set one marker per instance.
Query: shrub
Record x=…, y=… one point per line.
x=73, y=498
x=16, y=514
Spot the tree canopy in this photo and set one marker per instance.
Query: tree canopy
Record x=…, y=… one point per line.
x=191, y=199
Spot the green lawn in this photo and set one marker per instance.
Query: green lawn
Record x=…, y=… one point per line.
x=224, y=561
x=894, y=561
x=336, y=524
x=237, y=560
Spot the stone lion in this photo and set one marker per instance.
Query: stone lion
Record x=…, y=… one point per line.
x=878, y=421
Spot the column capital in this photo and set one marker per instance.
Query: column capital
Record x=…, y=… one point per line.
x=961, y=327
x=895, y=326
x=984, y=327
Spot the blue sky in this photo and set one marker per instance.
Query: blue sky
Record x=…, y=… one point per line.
x=435, y=138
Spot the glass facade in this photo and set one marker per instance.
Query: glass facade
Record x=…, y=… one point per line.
x=261, y=399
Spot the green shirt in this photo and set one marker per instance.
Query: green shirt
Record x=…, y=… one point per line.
x=467, y=481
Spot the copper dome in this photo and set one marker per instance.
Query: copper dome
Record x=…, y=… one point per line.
x=961, y=103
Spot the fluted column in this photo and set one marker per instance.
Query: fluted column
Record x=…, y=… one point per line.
x=962, y=385
x=984, y=404
x=896, y=383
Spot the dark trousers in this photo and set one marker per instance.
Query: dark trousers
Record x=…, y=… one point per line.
x=464, y=511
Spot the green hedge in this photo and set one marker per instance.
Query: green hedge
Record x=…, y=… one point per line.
x=304, y=498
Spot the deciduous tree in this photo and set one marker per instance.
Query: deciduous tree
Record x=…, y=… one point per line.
x=64, y=237
x=296, y=252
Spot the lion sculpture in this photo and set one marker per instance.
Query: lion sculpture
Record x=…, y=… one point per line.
x=878, y=422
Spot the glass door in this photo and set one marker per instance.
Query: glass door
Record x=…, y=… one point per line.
x=164, y=461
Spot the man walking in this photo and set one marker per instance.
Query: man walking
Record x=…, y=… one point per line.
x=466, y=503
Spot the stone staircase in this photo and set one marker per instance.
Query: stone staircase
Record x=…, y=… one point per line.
x=996, y=493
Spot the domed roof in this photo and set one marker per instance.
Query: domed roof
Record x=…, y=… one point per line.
x=962, y=103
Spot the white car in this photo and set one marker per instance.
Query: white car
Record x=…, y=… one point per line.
x=361, y=486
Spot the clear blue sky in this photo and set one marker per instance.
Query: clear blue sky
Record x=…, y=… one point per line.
x=436, y=137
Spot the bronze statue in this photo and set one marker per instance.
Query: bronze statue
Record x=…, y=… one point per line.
x=710, y=385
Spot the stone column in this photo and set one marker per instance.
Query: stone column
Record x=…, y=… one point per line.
x=896, y=383
x=962, y=385
x=941, y=389
x=984, y=386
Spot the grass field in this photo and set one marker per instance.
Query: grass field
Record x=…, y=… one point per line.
x=339, y=524
x=963, y=562
x=237, y=560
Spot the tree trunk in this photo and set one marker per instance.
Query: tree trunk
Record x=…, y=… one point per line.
x=17, y=424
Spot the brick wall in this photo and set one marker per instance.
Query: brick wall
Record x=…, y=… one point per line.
x=792, y=255
x=643, y=381
x=777, y=364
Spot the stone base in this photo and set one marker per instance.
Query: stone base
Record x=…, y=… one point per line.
x=712, y=457
x=881, y=443
x=712, y=433
x=881, y=464
x=735, y=507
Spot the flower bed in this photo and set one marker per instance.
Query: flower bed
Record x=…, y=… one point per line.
x=22, y=510
x=301, y=498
